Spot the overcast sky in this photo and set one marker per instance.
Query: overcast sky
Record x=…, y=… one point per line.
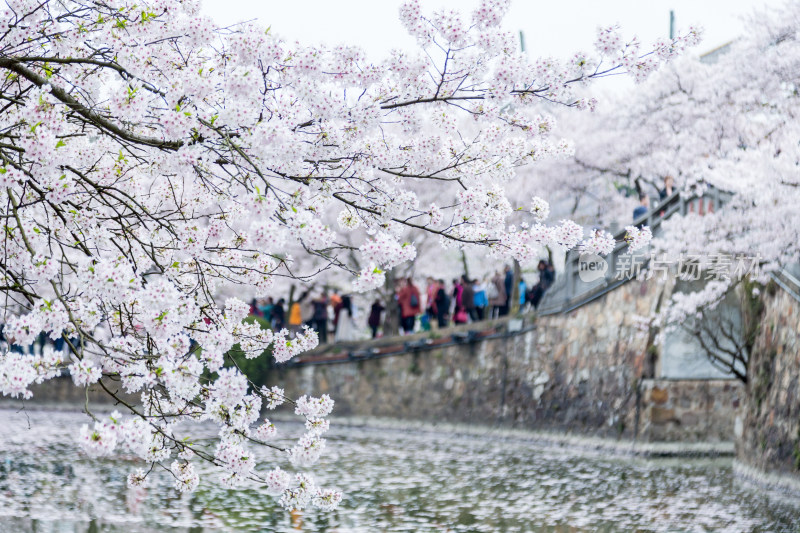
x=554, y=28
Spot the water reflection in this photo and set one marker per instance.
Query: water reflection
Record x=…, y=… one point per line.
x=395, y=481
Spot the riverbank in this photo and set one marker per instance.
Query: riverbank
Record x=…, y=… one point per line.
x=773, y=481
x=546, y=439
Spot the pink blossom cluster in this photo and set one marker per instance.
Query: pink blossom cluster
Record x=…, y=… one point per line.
x=137, y=478
x=284, y=349
x=369, y=278
x=609, y=41
x=567, y=234
x=600, y=242
x=186, y=479
x=276, y=481
x=266, y=431
x=235, y=459
x=490, y=13
x=307, y=451
x=84, y=372
x=540, y=209
x=314, y=408
x=98, y=441
x=19, y=371
x=273, y=396
x=483, y=205
x=637, y=237
x=386, y=251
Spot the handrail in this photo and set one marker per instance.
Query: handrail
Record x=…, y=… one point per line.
x=784, y=279
x=569, y=292
x=365, y=349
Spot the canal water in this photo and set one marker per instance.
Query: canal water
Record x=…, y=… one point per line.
x=395, y=480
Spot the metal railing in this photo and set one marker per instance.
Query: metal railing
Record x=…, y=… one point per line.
x=424, y=341
x=570, y=292
x=786, y=280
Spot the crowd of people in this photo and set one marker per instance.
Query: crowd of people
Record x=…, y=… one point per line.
x=467, y=300
x=326, y=313
x=335, y=316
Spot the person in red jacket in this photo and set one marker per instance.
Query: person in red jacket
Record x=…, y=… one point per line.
x=410, y=305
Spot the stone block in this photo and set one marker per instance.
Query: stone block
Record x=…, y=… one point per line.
x=689, y=419
x=661, y=415
x=659, y=396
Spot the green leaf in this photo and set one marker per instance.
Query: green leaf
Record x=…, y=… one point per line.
x=60, y=143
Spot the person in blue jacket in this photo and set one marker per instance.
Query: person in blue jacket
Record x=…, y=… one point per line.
x=643, y=207
x=480, y=298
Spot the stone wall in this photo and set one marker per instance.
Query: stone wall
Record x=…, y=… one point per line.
x=770, y=433
x=700, y=410
x=61, y=392
x=579, y=373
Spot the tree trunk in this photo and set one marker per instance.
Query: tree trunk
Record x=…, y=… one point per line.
x=391, y=318
x=464, y=263
x=513, y=306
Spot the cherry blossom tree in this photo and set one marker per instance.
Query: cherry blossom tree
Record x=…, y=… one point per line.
x=743, y=111
x=728, y=121
x=155, y=167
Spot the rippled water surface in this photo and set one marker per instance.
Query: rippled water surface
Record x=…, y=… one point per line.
x=394, y=481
